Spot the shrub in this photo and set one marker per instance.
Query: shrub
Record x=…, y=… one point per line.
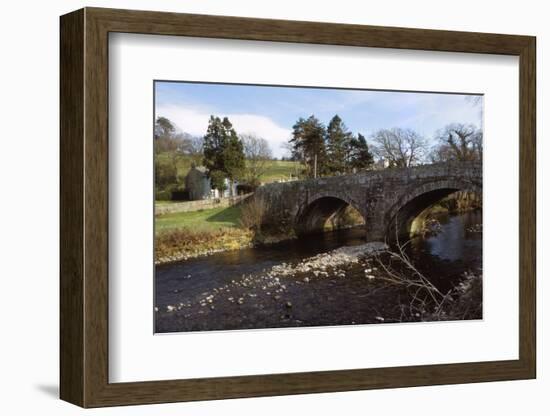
x=180, y=195
x=166, y=174
x=253, y=213
x=245, y=188
x=163, y=195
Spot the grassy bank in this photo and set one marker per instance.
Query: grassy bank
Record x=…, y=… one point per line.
x=203, y=220
x=183, y=235
x=184, y=243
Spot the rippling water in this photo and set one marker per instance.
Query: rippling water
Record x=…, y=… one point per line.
x=242, y=298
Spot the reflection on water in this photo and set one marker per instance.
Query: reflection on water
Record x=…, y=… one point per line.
x=454, y=250
x=443, y=258
x=456, y=241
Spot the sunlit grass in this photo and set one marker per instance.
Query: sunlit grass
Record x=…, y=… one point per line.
x=204, y=220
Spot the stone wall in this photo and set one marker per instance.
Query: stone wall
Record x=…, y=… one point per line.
x=189, y=206
x=378, y=195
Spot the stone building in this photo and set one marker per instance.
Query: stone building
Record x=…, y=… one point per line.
x=199, y=187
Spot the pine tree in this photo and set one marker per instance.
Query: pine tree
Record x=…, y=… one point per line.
x=338, y=140
x=360, y=157
x=308, y=145
x=223, y=152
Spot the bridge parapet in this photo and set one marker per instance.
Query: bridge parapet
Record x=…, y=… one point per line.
x=377, y=195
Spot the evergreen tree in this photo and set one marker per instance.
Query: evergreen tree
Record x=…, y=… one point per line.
x=338, y=140
x=223, y=152
x=360, y=157
x=308, y=145
x=164, y=128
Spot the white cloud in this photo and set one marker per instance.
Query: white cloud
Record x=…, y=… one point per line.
x=195, y=121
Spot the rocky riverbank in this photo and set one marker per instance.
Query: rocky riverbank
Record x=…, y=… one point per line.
x=274, y=282
x=326, y=264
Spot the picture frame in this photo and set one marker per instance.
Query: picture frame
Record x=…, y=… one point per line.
x=84, y=172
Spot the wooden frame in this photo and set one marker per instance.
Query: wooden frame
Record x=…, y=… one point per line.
x=84, y=207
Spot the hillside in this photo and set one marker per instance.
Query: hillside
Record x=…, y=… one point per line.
x=276, y=169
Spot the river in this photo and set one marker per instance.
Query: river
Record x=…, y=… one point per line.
x=233, y=290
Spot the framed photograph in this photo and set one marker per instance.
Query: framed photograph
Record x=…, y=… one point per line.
x=255, y=207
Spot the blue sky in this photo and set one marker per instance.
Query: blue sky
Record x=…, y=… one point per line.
x=270, y=112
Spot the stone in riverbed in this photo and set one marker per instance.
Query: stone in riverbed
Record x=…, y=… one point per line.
x=288, y=304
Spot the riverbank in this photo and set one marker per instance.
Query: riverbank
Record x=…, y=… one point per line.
x=310, y=283
x=184, y=244
x=185, y=235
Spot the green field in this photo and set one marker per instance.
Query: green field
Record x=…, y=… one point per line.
x=275, y=169
x=280, y=169
x=207, y=219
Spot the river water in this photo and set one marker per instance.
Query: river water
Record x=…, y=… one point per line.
x=233, y=290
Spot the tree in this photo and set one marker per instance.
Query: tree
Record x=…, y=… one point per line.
x=192, y=146
x=166, y=137
x=165, y=175
x=338, y=140
x=257, y=153
x=308, y=145
x=164, y=128
x=460, y=142
x=167, y=150
x=223, y=152
x=400, y=147
x=359, y=156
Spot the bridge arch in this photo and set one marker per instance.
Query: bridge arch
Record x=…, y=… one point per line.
x=416, y=199
x=321, y=208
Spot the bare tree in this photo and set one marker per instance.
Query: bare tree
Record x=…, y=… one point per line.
x=257, y=153
x=194, y=148
x=400, y=147
x=458, y=142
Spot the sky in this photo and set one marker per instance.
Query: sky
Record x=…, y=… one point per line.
x=271, y=111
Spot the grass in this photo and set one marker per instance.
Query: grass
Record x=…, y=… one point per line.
x=183, y=243
x=181, y=235
x=204, y=220
x=280, y=169
x=275, y=169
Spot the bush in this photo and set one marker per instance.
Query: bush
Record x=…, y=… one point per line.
x=245, y=188
x=163, y=195
x=180, y=195
x=166, y=174
x=253, y=213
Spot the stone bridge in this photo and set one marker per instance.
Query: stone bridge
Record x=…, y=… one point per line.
x=389, y=200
